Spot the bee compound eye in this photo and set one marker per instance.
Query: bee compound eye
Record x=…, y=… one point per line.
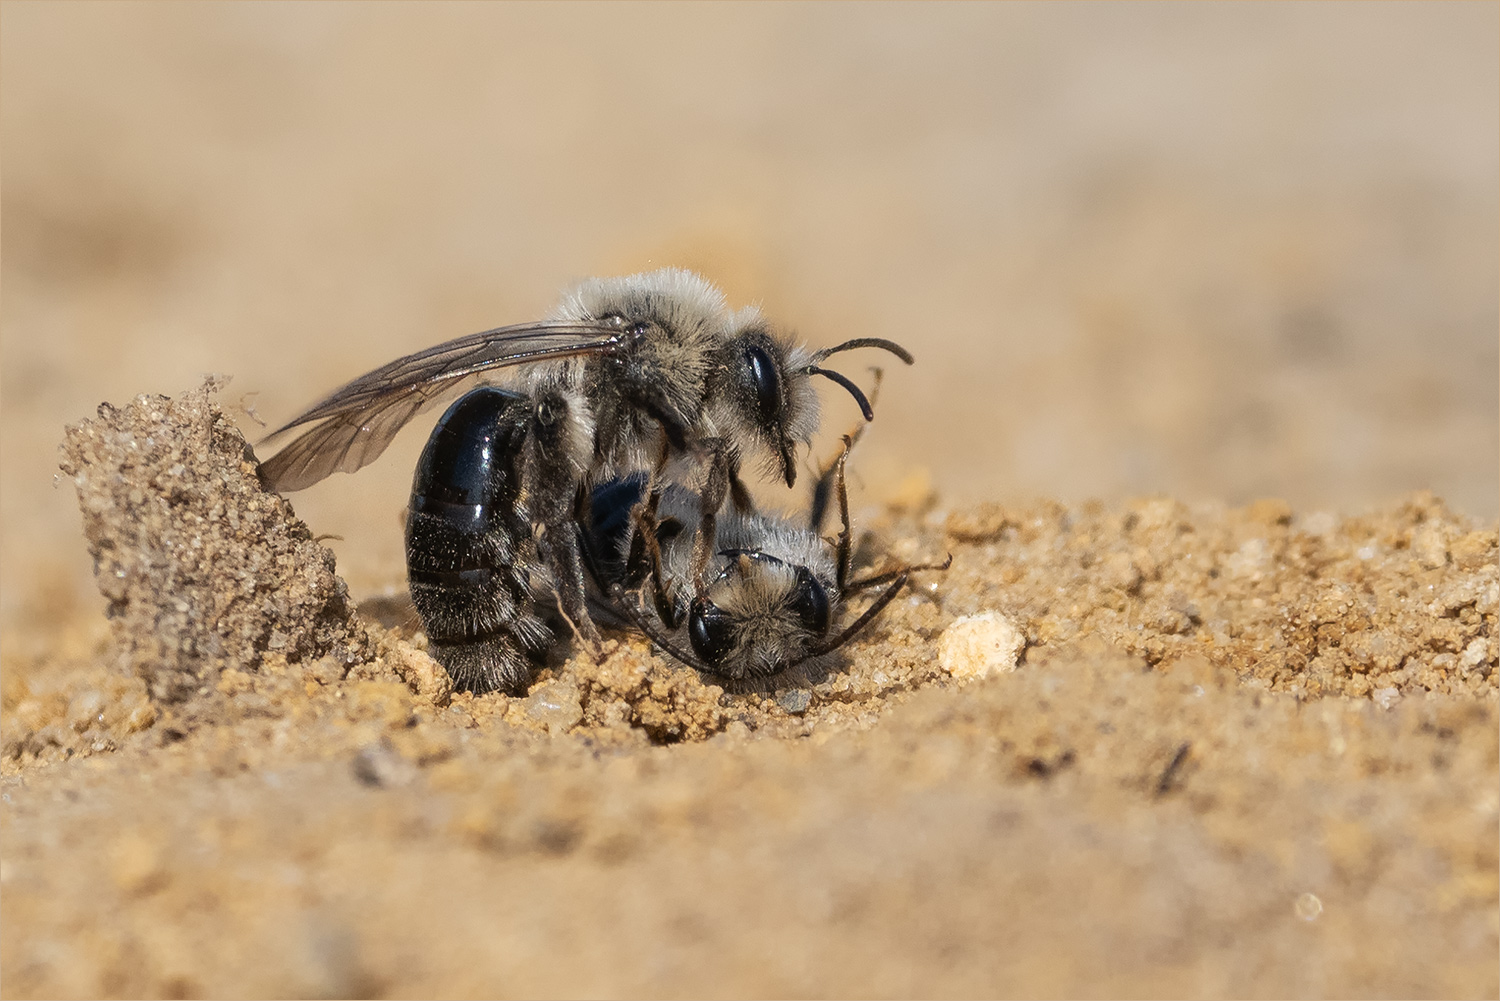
x=766, y=381
x=811, y=602
x=710, y=631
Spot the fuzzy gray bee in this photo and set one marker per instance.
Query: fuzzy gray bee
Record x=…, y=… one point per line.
x=766, y=602
x=627, y=375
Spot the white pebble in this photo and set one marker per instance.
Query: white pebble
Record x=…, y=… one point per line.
x=976, y=645
x=555, y=705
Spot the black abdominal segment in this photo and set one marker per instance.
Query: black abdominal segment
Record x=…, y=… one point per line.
x=469, y=545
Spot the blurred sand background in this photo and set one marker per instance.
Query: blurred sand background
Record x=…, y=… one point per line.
x=1214, y=252
x=1217, y=252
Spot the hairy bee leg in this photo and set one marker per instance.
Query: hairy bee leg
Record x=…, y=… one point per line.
x=658, y=474
x=643, y=518
x=646, y=510
x=646, y=535
x=846, y=534
x=554, y=457
x=711, y=498
x=571, y=601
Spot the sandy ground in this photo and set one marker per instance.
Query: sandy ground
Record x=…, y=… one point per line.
x=1157, y=264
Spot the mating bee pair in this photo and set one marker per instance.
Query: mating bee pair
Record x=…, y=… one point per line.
x=611, y=462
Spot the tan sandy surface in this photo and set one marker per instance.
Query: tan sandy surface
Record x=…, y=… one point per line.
x=1157, y=264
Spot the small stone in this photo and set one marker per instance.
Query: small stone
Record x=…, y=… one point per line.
x=1321, y=524
x=556, y=706
x=86, y=709
x=326, y=670
x=795, y=701
x=1385, y=697
x=974, y=646
x=1475, y=654
x=737, y=730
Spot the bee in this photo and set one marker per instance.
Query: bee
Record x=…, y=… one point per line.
x=627, y=375
x=772, y=592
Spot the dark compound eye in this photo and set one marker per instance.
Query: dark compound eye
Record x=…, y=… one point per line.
x=710, y=631
x=767, y=381
x=811, y=602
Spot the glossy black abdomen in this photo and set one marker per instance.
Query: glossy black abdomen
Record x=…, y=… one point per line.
x=470, y=553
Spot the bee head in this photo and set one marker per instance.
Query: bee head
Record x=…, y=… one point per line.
x=759, y=616
x=765, y=403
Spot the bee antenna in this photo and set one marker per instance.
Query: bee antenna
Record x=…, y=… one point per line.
x=886, y=597
x=866, y=342
x=854, y=391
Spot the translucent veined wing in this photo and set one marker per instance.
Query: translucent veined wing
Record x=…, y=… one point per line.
x=358, y=421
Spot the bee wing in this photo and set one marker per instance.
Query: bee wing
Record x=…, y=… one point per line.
x=359, y=420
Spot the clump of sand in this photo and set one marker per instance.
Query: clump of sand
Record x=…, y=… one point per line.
x=202, y=568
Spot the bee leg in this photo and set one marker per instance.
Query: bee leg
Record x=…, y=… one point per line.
x=643, y=518
x=823, y=488
x=658, y=473
x=567, y=566
x=865, y=583
x=645, y=559
x=646, y=537
x=632, y=611
x=711, y=498
x=644, y=514
x=554, y=454
x=845, y=549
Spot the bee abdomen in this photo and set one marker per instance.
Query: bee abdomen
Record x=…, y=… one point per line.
x=469, y=545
